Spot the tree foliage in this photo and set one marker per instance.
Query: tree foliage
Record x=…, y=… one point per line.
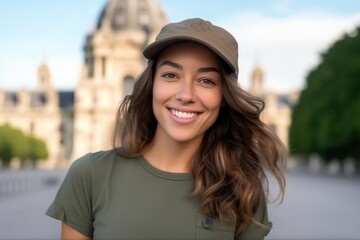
x=326, y=119
x=16, y=144
x=38, y=150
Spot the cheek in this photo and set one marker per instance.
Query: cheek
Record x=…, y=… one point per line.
x=214, y=100
x=160, y=92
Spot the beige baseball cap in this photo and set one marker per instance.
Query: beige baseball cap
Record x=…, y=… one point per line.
x=198, y=30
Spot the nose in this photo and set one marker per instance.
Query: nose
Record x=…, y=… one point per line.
x=186, y=93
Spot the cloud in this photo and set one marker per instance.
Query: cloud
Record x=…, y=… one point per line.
x=287, y=47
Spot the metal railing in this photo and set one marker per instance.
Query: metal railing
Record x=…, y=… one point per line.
x=18, y=182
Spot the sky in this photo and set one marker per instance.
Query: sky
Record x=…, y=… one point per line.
x=284, y=37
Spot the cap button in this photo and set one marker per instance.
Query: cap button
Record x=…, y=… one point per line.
x=208, y=223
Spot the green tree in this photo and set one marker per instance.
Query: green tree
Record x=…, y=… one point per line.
x=6, y=148
x=14, y=143
x=38, y=150
x=326, y=119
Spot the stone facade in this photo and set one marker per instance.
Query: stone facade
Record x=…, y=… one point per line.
x=278, y=106
x=74, y=123
x=113, y=60
x=35, y=112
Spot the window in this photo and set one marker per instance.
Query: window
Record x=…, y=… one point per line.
x=273, y=127
x=11, y=100
x=128, y=85
x=119, y=19
x=103, y=66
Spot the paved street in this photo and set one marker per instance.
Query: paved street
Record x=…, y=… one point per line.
x=315, y=207
x=22, y=213
x=318, y=207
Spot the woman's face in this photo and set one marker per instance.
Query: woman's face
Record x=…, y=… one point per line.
x=187, y=92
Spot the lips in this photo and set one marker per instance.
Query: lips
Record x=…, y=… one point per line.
x=183, y=115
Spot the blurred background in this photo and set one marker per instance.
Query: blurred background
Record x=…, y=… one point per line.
x=66, y=65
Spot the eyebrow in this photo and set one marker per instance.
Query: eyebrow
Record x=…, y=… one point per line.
x=178, y=66
x=171, y=64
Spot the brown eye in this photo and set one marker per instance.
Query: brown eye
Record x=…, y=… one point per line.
x=168, y=75
x=207, y=82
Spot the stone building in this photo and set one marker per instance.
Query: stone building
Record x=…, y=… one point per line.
x=80, y=121
x=35, y=112
x=76, y=122
x=278, y=106
x=113, y=59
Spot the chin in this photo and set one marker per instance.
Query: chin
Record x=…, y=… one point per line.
x=181, y=138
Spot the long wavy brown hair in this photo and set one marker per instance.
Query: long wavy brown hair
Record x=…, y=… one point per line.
x=230, y=167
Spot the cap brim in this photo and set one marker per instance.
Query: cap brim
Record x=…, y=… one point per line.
x=155, y=48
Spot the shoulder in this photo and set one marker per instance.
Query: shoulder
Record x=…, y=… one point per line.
x=93, y=170
x=95, y=163
x=96, y=159
x=98, y=163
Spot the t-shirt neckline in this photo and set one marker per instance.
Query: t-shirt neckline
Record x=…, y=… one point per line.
x=162, y=174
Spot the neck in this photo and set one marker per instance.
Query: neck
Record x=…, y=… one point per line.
x=170, y=156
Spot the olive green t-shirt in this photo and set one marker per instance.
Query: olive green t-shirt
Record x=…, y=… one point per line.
x=105, y=196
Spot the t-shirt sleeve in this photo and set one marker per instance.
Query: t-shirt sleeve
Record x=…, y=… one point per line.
x=72, y=204
x=254, y=231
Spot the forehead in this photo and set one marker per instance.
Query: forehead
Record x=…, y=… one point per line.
x=189, y=50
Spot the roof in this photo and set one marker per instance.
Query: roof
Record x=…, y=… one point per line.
x=125, y=14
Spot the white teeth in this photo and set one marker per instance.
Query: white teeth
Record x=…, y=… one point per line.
x=184, y=115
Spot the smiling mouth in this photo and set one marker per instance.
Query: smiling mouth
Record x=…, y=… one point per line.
x=183, y=115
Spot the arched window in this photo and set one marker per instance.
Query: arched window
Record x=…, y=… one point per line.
x=128, y=85
x=143, y=14
x=120, y=13
x=11, y=99
x=103, y=66
x=43, y=99
x=273, y=127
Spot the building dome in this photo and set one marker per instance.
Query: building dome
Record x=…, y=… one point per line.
x=119, y=15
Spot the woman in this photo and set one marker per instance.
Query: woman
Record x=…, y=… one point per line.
x=190, y=151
